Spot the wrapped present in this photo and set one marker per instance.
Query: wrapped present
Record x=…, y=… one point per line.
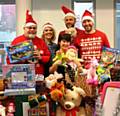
x=19, y=52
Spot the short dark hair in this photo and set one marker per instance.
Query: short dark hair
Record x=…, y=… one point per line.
x=64, y=36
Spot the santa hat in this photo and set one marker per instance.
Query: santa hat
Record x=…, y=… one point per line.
x=47, y=25
x=29, y=19
x=87, y=15
x=67, y=11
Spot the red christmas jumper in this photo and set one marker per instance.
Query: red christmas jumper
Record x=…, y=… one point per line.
x=41, y=45
x=90, y=45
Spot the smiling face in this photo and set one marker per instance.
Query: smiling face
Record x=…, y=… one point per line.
x=48, y=33
x=88, y=25
x=69, y=21
x=30, y=31
x=64, y=45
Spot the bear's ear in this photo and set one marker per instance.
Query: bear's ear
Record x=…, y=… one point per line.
x=80, y=91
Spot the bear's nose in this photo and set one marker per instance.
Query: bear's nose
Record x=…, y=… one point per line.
x=67, y=106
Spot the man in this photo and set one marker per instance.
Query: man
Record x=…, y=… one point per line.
x=41, y=52
x=91, y=40
x=70, y=20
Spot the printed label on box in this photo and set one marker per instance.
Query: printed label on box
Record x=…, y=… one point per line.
x=19, y=52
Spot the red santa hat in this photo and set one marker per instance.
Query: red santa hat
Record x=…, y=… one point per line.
x=87, y=15
x=67, y=11
x=29, y=19
x=47, y=25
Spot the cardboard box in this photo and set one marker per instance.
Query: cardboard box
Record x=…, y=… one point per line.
x=19, y=52
x=20, y=79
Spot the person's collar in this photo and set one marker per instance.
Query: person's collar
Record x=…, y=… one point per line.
x=48, y=42
x=91, y=32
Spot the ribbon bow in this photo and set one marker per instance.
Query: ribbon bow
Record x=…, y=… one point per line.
x=72, y=111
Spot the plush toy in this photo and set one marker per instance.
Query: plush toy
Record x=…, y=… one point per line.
x=70, y=103
x=57, y=92
x=73, y=66
x=92, y=77
x=51, y=80
x=55, y=87
x=70, y=56
x=72, y=31
x=2, y=110
x=10, y=109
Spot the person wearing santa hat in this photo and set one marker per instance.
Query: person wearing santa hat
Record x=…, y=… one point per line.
x=70, y=20
x=49, y=36
x=91, y=40
x=41, y=51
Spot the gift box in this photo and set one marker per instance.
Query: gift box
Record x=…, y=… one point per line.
x=20, y=79
x=19, y=52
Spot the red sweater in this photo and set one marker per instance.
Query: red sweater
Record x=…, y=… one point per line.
x=90, y=45
x=40, y=44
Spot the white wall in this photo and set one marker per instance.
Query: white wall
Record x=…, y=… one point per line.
x=49, y=11
x=21, y=7
x=105, y=18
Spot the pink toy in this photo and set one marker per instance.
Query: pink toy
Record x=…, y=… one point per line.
x=11, y=109
x=92, y=77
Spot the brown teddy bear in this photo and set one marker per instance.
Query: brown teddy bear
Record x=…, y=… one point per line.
x=70, y=103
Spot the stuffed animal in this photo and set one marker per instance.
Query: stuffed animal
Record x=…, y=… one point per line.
x=10, y=109
x=51, y=80
x=72, y=31
x=2, y=110
x=73, y=66
x=92, y=77
x=56, y=88
x=70, y=103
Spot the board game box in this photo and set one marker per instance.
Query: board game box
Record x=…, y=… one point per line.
x=21, y=51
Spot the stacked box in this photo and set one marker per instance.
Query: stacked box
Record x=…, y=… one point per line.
x=20, y=79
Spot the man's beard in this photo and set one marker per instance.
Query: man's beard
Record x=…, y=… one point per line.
x=69, y=25
x=31, y=36
x=88, y=29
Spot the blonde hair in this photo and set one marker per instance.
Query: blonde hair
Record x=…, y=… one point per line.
x=54, y=33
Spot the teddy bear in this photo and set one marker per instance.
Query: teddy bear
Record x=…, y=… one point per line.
x=70, y=102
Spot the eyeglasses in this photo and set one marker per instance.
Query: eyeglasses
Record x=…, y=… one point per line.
x=31, y=27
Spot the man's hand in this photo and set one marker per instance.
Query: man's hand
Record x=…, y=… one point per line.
x=37, y=54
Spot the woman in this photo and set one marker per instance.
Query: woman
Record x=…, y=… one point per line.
x=49, y=36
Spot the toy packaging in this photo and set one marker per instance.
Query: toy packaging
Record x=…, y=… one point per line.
x=21, y=51
x=111, y=95
x=108, y=56
x=38, y=105
x=19, y=79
